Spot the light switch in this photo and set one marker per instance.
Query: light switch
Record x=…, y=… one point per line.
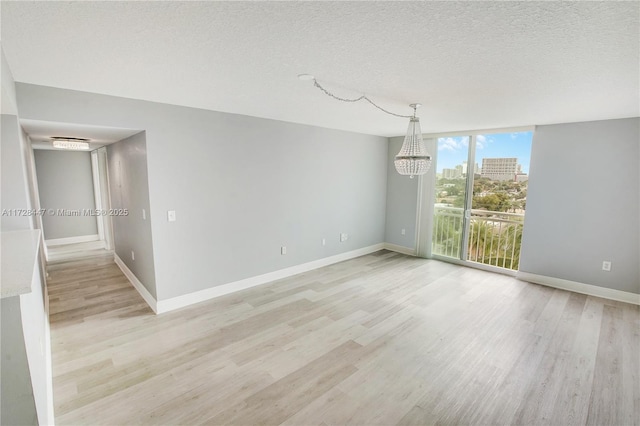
x=171, y=215
x=144, y=214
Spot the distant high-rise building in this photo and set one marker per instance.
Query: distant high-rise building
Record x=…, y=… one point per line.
x=465, y=167
x=499, y=168
x=452, y=173
x=459, y=172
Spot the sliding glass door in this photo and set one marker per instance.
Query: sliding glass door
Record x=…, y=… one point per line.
x=480, y=198
x=450, y=196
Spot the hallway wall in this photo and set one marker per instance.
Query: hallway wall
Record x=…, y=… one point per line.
x=65, y=182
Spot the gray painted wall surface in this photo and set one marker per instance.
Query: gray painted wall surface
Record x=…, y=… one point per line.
x=583, y=204
x=129, y=189
x=13, y=176
x=65, y=181
x=402, y=199
x=17, y=406
x=241, y=186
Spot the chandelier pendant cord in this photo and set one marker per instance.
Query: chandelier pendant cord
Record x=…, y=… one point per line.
x=413, y=158
x=315, y=83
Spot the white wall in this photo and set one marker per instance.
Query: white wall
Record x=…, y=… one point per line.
x=241, y=186
x=65, y=182
x=35, y=324
x=583, y=204
x=8, y=92
x=26, y=396
x=129, y=189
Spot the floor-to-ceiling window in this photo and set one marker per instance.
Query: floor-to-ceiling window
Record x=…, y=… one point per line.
x=480, y=197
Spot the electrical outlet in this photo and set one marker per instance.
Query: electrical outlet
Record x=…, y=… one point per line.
x=133, y=255
x=283, y=250
x=344, y=237
x=324, y=242
x=606, y=266
x=171, y=215
x=403, y=231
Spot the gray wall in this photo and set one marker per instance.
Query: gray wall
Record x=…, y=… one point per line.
x=65, y=181
x=241, y=186
x=402, y=199
x=13, y=176
x=129, y=189
x=18, y=404
x=583, y=204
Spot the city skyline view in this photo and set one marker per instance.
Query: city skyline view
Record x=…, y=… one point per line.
x=453, y=151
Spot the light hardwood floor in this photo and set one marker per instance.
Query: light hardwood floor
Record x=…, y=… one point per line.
x=383, y=339
x=66, y=252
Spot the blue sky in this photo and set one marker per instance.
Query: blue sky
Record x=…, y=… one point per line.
x=454, y=150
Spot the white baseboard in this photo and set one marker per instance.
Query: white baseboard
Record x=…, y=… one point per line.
x=151, y=301
x=400, y=249
x=591, y=290
x=49, y=370
x=210, y=293
x=72, y=240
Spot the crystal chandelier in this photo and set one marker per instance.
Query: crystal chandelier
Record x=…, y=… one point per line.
x=413, y=158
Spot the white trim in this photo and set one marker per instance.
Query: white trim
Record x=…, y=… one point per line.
x=400, y=249
x=468, y=202
x=481, y=132
x=49, y=368
x=418, y=229
x=210, y=293
x=72, y=240
x=97, y=192
x=105, y=196
x=591, y=290
x=151, y=301
x=425, y=204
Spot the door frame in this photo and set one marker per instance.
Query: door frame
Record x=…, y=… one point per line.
x=102, y=196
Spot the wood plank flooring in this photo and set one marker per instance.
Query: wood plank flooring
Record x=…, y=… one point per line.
x=383, y=339
x=66, y=252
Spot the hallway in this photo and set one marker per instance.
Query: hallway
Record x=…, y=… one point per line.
x=67, y=252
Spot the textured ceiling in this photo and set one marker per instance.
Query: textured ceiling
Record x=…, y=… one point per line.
x=473, y=65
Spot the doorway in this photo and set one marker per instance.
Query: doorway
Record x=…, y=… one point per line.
x=73, y=195
x=480, y=198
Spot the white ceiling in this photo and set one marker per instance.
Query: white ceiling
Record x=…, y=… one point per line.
x=473, y=65
x=41, y=133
